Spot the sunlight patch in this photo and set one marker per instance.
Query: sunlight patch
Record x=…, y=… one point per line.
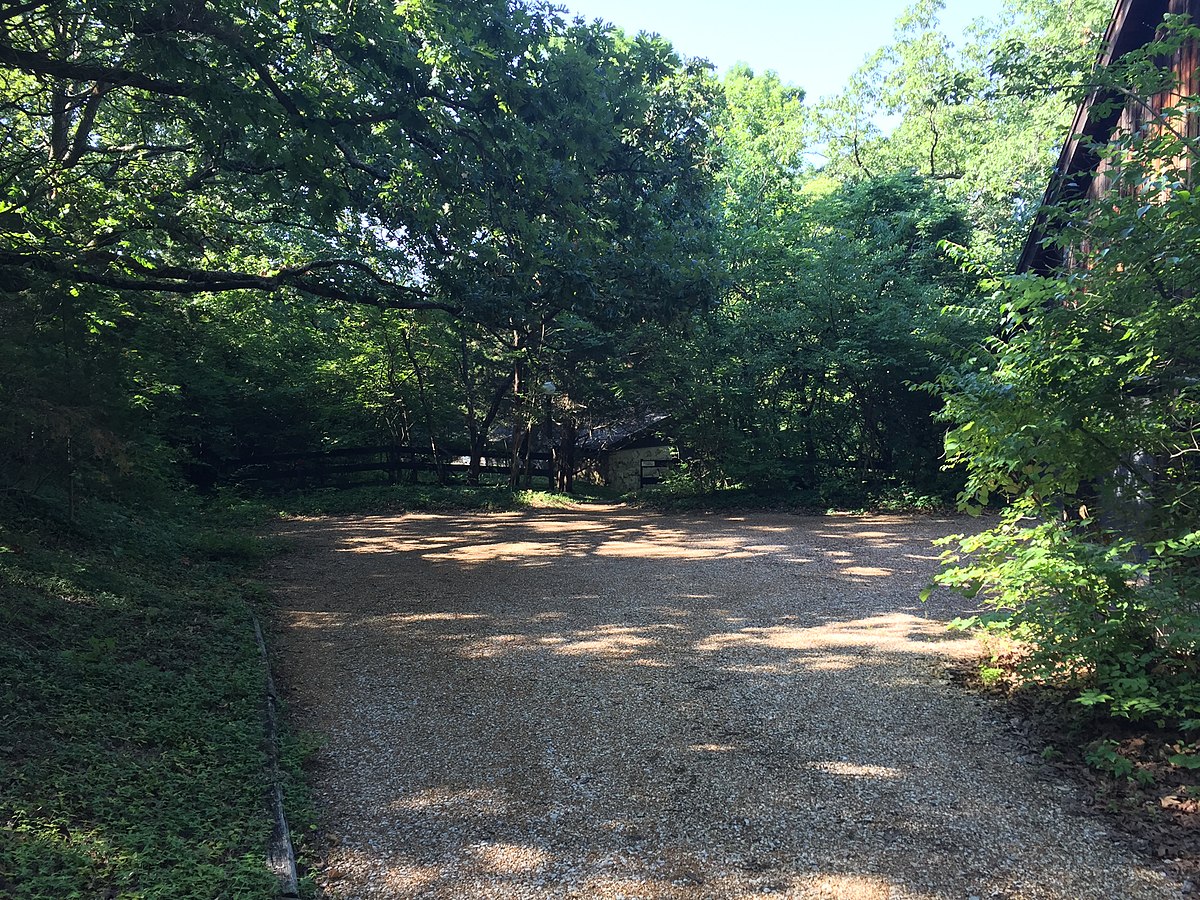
x=855, y=770
x=504, y=858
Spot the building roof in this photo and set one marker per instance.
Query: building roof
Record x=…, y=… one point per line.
x=1133, y=25
x=607, y=438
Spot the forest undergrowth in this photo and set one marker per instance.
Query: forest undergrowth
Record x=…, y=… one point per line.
x=131, y=706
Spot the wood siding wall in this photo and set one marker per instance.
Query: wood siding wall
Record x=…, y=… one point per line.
x=1185, y=63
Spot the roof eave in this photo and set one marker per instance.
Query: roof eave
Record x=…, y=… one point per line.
x=1133, y=24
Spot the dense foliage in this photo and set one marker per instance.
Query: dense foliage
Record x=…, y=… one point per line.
x=833, y=236
x=803, y=375
x=228, y=231
x=982, y=117
x=1082, y=416
x=480, y=228
x=242, y=182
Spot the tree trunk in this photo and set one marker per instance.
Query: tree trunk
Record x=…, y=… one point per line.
x=528, y=455
x=518, y=444
x=438, y=465
x=520, y=438
x=566, y=458
x=551, y=450
x=478, y=441
x=480, y=430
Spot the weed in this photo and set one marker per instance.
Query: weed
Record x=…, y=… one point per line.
x=990, y=675
x=1105, y=756
x=131, y=691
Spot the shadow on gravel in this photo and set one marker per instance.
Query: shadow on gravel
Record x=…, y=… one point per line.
x=604, y=704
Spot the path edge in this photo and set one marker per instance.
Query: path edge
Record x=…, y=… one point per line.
x=281, y=855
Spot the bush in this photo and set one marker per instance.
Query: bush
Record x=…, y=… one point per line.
x=1082, y=413
x=1089, y=613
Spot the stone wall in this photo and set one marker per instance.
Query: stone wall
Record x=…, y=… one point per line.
x=622, y=469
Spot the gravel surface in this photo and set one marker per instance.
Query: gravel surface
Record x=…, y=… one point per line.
x=605, y=703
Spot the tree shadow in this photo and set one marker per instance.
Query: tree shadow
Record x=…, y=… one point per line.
x=568, y=704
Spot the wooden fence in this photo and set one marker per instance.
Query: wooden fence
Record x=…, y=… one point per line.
x=323, y=466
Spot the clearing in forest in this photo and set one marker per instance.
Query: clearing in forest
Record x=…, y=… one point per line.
x=606, y=703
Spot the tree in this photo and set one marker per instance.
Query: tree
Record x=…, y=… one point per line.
x=486, y=160
x=800, y=377
x=1082, y=415
x=985, y=118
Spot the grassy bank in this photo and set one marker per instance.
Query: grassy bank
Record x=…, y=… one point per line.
x=132, y=762
x=681, y=496
x=685, y=497
x=250, y=508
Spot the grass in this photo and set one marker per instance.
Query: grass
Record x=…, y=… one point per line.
x=496, y=496
x=246, y=508
x=687, y=497
x=132, y=762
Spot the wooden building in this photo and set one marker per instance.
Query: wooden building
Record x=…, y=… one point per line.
x=1086, y=172
x=1082, y=172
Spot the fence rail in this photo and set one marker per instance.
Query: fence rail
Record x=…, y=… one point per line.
x=392, y=461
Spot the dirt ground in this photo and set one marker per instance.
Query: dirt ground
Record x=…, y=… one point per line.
x=606, y=703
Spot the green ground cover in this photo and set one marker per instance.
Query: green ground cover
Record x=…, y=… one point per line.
x=132, y=759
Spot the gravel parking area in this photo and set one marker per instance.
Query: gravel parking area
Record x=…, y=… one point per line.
x=606, y=703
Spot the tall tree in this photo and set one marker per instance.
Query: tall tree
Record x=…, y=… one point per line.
x=960, y=114
x=487, y=160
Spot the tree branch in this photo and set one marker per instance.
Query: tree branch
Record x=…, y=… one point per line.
x=41, y=64
x=83, y=128
x=188, y=281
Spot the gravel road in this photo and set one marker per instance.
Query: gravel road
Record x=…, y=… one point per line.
x=604, y=703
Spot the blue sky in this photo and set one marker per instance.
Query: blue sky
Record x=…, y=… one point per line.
x=815, y=44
